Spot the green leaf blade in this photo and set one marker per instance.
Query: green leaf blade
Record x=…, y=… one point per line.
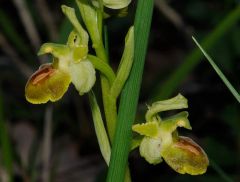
x=219, y=72
x=130, y=94
x=166, y=89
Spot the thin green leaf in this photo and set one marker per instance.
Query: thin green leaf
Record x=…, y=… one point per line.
x=166, y=89
x=219, y=72
x=125, y=64
x=130, y=94
x=100, y=129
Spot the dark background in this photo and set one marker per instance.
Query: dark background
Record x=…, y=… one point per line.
x=75, y=156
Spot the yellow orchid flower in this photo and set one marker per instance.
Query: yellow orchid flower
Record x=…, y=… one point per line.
x=161, y=140
x=51, y=81
x=70, y=65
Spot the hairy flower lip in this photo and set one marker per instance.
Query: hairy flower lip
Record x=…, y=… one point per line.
x=186, y=157
x=44, y=72
x=47, y=84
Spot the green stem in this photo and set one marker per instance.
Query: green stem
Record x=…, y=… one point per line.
x=102, y=134
x=93, y=20
x=109, y=102
x=130, y=94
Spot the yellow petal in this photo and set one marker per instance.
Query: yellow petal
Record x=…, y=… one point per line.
x=46, y=84
x=116, y=4
x=83, y=76
x=185, y=156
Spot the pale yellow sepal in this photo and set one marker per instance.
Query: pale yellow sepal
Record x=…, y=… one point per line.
x=149, y=129
x=57, y=50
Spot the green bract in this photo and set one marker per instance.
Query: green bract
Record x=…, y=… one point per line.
x=161, y=139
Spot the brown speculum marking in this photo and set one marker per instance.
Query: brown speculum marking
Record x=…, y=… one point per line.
x=188, y=145
x=42, y=74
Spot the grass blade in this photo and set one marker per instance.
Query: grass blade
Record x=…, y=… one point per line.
x=99, y=127
x=166, y=89
x=219, y=72
x=130, y=94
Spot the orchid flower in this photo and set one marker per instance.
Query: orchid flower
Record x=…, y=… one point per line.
x=70, y=65
x=161, y=141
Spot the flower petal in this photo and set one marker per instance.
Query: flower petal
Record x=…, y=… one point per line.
x=116, y=4
x=46, y=84
x=177, y=102
x=83, y=75
x=185, y=156
x=169, y=125
x=150, y=149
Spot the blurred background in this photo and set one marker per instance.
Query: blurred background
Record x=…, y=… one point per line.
x=57, y=140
